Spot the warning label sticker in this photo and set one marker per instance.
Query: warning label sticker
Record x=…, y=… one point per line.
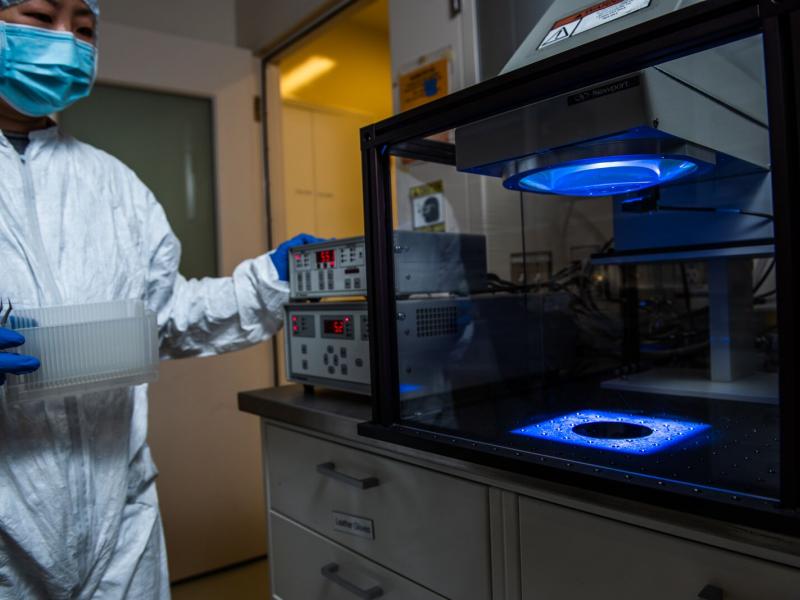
x=589, y=18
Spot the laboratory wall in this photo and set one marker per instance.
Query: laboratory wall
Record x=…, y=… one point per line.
x=261, y=23
x=206, y=450
x=502, y=26
x=208, y=20
x=477, y=42
x=421, y=33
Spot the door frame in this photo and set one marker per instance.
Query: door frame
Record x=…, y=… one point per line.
x=270, y=109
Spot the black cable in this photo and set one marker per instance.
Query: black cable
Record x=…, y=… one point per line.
x=494, y=278
x=687, y=297
x=764, y=276
x=524, y=248
x=711, y=209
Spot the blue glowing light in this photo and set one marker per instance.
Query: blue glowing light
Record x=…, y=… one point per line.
x=408, y=388
x=665, y=432
x=607, y=176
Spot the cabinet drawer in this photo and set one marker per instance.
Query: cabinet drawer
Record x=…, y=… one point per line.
x=570, y=554
x=300, y=556
x=430, y=528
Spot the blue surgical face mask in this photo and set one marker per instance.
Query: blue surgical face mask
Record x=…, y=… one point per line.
x=43, y=71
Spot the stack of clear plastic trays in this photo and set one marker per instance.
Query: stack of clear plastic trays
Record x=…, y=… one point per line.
x=84, y=348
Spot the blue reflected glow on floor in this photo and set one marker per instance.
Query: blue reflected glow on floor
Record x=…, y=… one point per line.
x=666, y=432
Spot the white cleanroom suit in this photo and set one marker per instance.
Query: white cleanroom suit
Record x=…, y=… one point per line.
x=79, y=515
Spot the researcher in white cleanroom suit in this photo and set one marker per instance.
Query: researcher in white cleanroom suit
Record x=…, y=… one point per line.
x=79, y=514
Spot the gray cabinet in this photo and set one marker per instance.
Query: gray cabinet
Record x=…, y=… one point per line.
x=566, y=553
x=427, y=526
x=350, y=519
x=308, y=566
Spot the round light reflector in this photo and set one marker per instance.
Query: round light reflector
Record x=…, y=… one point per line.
x=607, y=176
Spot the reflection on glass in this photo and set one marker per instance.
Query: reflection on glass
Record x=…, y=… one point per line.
x=623, y=322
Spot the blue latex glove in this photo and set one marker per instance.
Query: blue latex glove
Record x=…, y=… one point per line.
x=18, y=364
x=280, y=258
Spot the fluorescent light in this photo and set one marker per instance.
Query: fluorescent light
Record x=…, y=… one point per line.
x=305, y=73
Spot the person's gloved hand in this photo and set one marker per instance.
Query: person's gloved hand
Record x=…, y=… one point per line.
x=18, y=364
x=280, y=258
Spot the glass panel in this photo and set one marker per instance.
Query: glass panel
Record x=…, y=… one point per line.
x=593, y=286
x=168, y=141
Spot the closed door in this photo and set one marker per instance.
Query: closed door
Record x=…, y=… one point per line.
x=167, y=139
x=337, y=166
x=298, y=156
x=322, y=170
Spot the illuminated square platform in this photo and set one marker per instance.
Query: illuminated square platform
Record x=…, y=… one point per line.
x=647, y=434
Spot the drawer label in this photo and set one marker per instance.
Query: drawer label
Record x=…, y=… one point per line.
x=358, y=526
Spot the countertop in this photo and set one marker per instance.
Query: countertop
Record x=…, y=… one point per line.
x=325, y=411
x=336, y=415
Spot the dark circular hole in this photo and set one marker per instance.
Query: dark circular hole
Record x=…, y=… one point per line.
x=612, y=430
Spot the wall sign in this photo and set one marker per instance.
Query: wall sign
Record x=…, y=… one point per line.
x=428, y=207
x=424, y=84
x=589, y=18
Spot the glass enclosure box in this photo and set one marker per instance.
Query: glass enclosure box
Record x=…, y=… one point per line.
x=604, y=243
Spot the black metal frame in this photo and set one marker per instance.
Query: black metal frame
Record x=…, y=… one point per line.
x=687, y=31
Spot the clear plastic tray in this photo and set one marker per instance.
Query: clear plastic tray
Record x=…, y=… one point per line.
x=85, y=348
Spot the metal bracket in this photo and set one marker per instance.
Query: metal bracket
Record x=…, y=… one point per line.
x=329, y=470
x=769, y=8
x=711, y=592
x=331, y=573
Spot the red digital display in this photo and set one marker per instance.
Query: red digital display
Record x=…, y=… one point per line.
x=333, y=326
x=326, y=257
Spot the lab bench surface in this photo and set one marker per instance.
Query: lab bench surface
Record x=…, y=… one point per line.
x=418, y=525
x=325, y=411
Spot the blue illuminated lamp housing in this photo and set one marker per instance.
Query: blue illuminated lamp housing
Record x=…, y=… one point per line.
x=616, y=165
x=605, y=176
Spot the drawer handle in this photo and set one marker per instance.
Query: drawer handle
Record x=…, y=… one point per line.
x=329, y=470
x=711, y=592
x=330, y=572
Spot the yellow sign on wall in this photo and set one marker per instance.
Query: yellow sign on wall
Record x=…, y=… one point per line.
x=428, y=207
x=424, y=84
